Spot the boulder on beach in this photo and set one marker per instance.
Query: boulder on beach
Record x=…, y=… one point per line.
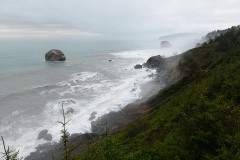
x=55, y=55
x=155, y=62
x=138, y=66
x=165, y=44
x=45, y=135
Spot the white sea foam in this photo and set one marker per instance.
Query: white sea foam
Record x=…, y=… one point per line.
x=145, y=54
x=78, y=77
x=75, y=84
x=116, y=97
x=83, y=76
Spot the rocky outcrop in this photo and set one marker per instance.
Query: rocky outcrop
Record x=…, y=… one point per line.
x=165, y=44
x=165, y=66
x=155, y=62
x=138, y=66
x=117, y=120
x=80, y=141
x=45, y=135
x=92, y=116
x=55, y=55
x=171, y=68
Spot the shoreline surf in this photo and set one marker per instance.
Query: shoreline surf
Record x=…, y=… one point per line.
x=114, y=85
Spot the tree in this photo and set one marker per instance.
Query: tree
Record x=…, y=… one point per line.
x=9, y=154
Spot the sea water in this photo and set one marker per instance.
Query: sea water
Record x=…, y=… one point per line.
x=98, y=76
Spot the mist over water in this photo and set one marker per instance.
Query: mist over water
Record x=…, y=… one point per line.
x=32, y=90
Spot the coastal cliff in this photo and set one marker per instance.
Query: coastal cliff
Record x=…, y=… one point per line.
x=196, y=116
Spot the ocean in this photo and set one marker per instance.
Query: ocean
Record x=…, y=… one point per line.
x=98, y=76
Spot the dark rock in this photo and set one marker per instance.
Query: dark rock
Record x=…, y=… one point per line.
x=48, y=137
x=165, y=44
x=80, y=142
x=109, y=60
x=138, y=66
x=55, y=55
x=155, y=62
x=44, y=135
x=133, y=90
x=116, y=120
x=93, y=116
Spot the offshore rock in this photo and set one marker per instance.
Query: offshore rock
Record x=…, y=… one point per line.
x=45, y=135
x=165, y=44
x=55, y=55
x=138, y=66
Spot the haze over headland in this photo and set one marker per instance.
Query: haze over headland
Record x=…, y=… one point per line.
x=121, y=19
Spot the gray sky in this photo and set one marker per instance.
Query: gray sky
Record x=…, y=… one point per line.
x=108, y=18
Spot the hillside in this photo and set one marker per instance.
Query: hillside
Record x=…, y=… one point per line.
x=196, y=118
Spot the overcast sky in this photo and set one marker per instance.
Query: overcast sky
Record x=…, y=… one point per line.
x=108, y=18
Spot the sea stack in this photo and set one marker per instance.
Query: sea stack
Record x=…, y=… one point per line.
x=155, y=62
x=165, y=44
x=55, y=55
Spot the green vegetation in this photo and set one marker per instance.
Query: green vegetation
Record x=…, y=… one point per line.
x=65, y=136
x=9, y=154
x=68, y=148
x=196, y=118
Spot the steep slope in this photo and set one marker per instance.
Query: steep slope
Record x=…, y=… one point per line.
x=196, y=118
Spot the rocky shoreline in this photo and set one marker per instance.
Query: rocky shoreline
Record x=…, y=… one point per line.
x=110, y=122
x=167, y=73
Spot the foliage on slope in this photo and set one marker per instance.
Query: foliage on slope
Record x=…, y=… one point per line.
x=196, y=118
